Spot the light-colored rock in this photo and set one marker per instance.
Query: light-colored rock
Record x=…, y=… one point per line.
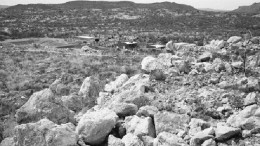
x=147, y=140
x=209, y=142
x=124, y=109
x=133, y=91
x=113, y=141
x=250, y=99
x=201, y=136
x=8, y=142
x=167, y=59
x=45, y=132
x=140, y=126
x=44, y=104
x=132, y=140
x=120, y=80
x=224, y=132
x=148, y=63
x=234, y=39
x=147, y=111
x=238, y=64
x=103, y=98
x=89, y=90
x=168, y=139
x=197, y=125
x=170, y=122
x=93, y=127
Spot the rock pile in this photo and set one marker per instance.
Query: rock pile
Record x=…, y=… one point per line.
x=211, y=102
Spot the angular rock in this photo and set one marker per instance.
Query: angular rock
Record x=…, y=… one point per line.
x=113, y=141
x=250, y=99
x=197, y=125
x=94, y=127
x=168, y=139
x=132, y=140
x=209, y=142
x=133, y=91
x=237, y=64
x=147, y=140
x=140, y=126
x=225, y=132
x=89, y=90
x=45, y=132
x=147, y=111
x=73, y=102
x=112, y=86
x=44, y=104
x=8, y=142
x=170, y=122
x=124, y=109
x=201, y=136
x=234, y=39
x=150, y=63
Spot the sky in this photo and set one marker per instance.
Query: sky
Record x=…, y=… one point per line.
x=213, y=4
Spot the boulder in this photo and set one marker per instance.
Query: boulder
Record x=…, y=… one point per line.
x=197, y=125
x=225, y=132
x=132, y=140
x=147, y=140
x=234, y=39
x=133, y=91
x=209, y=142
x=73, y=102
x=124, y=109
x=255, y=40
x=147, y=62
x=167, y=59
x=205, y=57
x=44, y=104
x=247, y=119
x=147, y=111
x=250, y=99
x=170, y=46
x=168, y=139
x=170, y=122
x=89, y=90
x=45, y=132
x=140, y=126
x=237, y=64
x=201, y=136
x=95, y=126
x=112, y=86
x=113, y=141
x=8, y=142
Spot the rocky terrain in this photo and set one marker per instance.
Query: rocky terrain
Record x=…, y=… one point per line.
x=198, y=96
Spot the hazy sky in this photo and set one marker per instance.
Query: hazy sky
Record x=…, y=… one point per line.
x=214, y=4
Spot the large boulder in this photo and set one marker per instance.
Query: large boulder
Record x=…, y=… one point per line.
x=73, y=102
x=133, y=91
x=112, y=86
x=45, y=132
x=44, y=104
x=168, y=139
x=234, y=39
x=247, y=119
x=8, y=142
x=95, y=126
x=89, y=90
x=132, y=140
x=124, y=109
x=225, y=132
x=146, y=63
x=140, y=126
x=170, y=122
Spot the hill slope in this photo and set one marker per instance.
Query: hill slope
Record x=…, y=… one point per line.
x=3, y=7
x=107, y=5
x=252, y=9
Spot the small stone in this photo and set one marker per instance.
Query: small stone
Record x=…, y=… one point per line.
x=209, y=142
x=132, y=140
x=250, y=99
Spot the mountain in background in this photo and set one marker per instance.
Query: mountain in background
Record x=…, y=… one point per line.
x=3, y=7
x=212, y=10
x=252, y=9
x=106, y=5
